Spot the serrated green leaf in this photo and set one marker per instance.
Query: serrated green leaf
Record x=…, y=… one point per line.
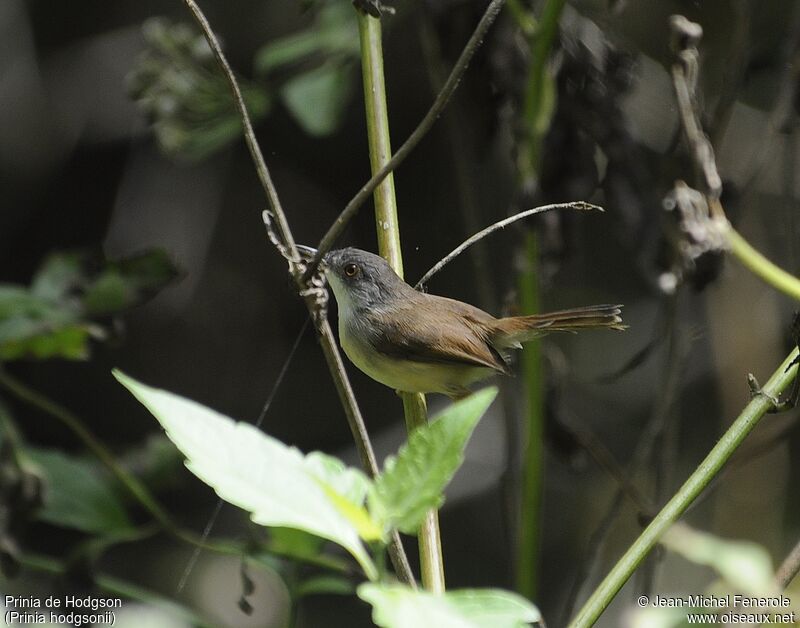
x=398, y=606
x=368, y=529
x=77, y=494
x=250, y=469
x=413, y=483
x=318, y=99
x=347, y=489
x=348, y=482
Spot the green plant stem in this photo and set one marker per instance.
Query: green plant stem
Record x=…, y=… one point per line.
x=761, y=266
x=450, y=85
x=388, y=230
x=532, y=450
x=705, y=472
x=537, y=109
x=538, y=104
x=380, y=148
x=115, y=586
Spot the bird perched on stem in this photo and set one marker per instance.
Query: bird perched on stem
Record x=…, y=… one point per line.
x=417, y=342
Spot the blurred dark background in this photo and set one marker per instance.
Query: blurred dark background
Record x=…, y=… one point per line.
x=80, y=168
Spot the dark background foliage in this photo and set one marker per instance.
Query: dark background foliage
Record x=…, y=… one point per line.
x=80, y=169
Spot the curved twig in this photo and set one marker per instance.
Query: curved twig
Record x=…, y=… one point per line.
x=501, y=224
x=249, y=135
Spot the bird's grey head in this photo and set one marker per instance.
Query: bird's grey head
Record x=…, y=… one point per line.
x=360, y=279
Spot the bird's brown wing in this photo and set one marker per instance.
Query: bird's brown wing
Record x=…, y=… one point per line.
x=429, y=332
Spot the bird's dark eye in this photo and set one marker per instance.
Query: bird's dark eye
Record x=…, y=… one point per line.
x=351, y=270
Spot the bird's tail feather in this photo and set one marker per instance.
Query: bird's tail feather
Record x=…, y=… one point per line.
x=518, y=329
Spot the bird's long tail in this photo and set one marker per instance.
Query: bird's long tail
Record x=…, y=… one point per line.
x=512, y=331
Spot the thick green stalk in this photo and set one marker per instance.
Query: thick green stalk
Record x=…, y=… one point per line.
x=705, y=472
x=537, y=112
x=539, y=103
x=388, y=229
x=532, y=449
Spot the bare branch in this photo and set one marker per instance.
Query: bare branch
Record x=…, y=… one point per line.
x=501, y=224
x=283, y=239
x=789, y=568
x=685, y=37
x=249, y=135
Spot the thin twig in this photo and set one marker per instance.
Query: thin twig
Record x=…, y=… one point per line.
x=685, y=37
x=461, y=152
x=789, y=568
x=330, y=350
x=351, y=209
x=247, y=128
x=501, y=224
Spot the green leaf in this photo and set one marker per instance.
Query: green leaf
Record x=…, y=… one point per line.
x=294, y=543
x=399, y=606
x=746, y=566
x=178, y=84
x=51, y=320
x=129, y=281
x=252, y=470
x=156, y=462
x=318, y=99
x=333, y=33
x=36, y=326
x=77, y=494
x=412, y=483
x=58, y=275
x=324, y=585
x=348, y=482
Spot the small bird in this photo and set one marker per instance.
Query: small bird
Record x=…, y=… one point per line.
x=417, y=342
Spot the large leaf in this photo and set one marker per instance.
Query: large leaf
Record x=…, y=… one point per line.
x=36, y=326
x=254, y=471
x=398, y=606
x=129, y=281
x=77, y=494
x=745, y=566
x=57, y=276
x=333, y=33
x=413, y=483
x=52, y=318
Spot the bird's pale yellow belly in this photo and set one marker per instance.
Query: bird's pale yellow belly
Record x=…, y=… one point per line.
x=408, y=375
